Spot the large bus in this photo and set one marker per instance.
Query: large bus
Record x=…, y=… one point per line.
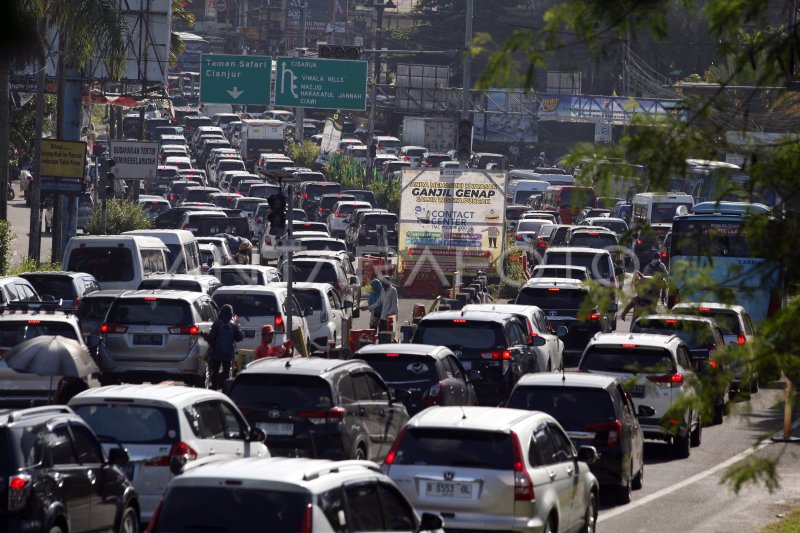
x=710, y=181
x=711, y=259
x=193, y=47
x=568, y=201
x=657, y=208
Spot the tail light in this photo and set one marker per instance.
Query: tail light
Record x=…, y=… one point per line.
x=406, y=158
x=592, y=316
x=258, y=219
x=321, y=210
x=667, y=381
x=279, y=327
x=520, y=238
x=639, y=242
x=113, y=328
x=151, y=526
x=505, y=355
x=171, y=198
x=542, y=243
x=76, y=301
x=184, y=330
x=741, y=339
x=523, y=486
x=390, y=457
x=306, y=524
x=663, y=255
x=179, y=449
x=614, y=429
x=324, y=416
x=19, y=487
x=305, y=196
x=434, y=395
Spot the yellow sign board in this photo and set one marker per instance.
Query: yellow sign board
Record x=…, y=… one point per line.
x=63, y=159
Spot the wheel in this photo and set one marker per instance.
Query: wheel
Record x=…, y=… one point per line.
x=753, y=384
x=719, y=413
x=549, y=527
x=697, y=435
x=129, y=523
x=681, y=445
x=638, y=480
x=623, y=493
x=360, y=453
x=56, y=529
x=590, y=517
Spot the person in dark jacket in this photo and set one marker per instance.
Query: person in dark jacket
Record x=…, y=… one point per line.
x=225, y=333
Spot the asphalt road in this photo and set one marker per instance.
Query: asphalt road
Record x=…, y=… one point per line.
x=20, y=217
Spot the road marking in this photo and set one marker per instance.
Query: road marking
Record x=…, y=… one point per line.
x=688, y=481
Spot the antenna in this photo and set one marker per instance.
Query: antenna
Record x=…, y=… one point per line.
x=288, y=364
x=463, y=413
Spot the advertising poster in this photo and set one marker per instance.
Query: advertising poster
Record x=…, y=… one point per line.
x=451, y=220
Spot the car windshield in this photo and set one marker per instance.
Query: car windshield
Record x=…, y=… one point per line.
x=150, y=311
x=247, y=305
x=316, y=190
x=456, y=447
x=632, y=360
x=398, y=367
x=153, y=208
x=694, y=333
x=105, y=263
x=189, y=509
x=284, y=391
x=14, y=332
x=333, y=245
x=571, y=406
x=94, y=308
x=315, y=272
x=329, y=201
x=474, y=335
x=596, y=240
x=559, y=272
x=615, y=226
x=728, y=321
x=595, y=263
x=57, y=287
x=556, y=298
x=380, y=220
x=130, y=424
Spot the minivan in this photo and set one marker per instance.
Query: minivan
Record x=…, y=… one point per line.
x=116, y=261
x=184, y=254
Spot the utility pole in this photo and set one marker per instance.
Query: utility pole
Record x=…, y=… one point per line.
x=300, y=113
x=35, y=188
x=373, y=95
x=466, y=101
x=289, y=256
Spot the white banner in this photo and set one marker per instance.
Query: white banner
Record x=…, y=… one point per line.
x=134, y=160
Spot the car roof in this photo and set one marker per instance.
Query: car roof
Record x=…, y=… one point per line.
x=105, y=293
x=165, y=294
x=515, y=309
x=35, y=415
x=187, y=277
x=714, y=306
x=306, y=366
x=472, y=417
x=178, y=395
x=258, y=268
x=675, y=316
x=651, y=340
x=404, y=348
x=567, y=379
x=578, y=250
x=479, y=316
x=568, y=283
x=245, y=289
x=303, y=285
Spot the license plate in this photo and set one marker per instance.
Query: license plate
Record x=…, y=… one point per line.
x=128, y=470
x=276, y=429
x=638, y=391
x=446, y=489
x=149, y=340
x=249, y=333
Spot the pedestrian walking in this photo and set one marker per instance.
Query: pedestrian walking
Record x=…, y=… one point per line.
x=225, y=333
x=658, y=270
x=374, y=303
x=389, y=303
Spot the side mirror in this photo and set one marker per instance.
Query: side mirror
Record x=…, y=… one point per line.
x=401, y=396
x=430, y=522
x=562, y=331
x=353, y=280
x=257, y=435
x=118, y=456
x=93, y=341
x=474, y=375
x=538, y=340
x=645, y=411
x=587, y=454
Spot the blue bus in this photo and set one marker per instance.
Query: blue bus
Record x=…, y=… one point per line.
x=711, y=259
x=712, y=181
x=193, y=46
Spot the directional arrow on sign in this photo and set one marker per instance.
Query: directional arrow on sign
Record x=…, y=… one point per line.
x=235, y=93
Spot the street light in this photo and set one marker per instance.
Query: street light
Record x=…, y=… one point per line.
x=379, y=7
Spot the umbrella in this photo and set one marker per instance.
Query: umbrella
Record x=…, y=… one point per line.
x=51, y=355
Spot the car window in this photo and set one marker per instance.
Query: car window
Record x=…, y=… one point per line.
x=60, y=446
x=286, y=390
x=60, y=287
x=377, y=390
x=332, y=504
x=455, y=447
x=361, y=388
x=364, y=508
x=748, y=325
x=104, y=263
x=398, y=367
x=333, y=298
x=544, y=445
x=561, y=444
x=25, y=292
x=153, y=262
x=627, y=360
x=399, y=515
x=131, y=424
x=153, y=311
x=573, y=407
x=235, y=428
x=347, y=391
x=683, y=358
x=548, y=299
x=86, y=446
x=14, y=332
x=246, y=305
x=476, y=335
x=206, y=420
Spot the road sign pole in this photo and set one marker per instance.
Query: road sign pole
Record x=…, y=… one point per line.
x=289, y=269
x=300, y=115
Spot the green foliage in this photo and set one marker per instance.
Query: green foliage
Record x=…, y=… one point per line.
x=122, y=216
x=304, y=155
x=7, y=237
x=788, y=524
x=752, y=471
x=22, y=126
x=29, y=265
x=346, y=170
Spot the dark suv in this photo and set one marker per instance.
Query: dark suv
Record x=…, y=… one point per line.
x=494, y=344
x=68, y=287
x=326, y=203
x=57, y=478
x=365, y=234
x=323, y=408
x=310, y=193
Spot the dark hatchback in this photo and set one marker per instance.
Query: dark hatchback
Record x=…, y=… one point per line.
x=57, y=478
x=321, y=408
x=596, y=411
x=429, y=375
x=494, y=344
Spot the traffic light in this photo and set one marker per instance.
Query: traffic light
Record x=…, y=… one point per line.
x=105, y=182
x=277, y=214
x=329, y=51
x=464, y=141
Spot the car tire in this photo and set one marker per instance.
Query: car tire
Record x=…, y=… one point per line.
x=128, y=522
x=681, y=445
x=589, y=517
x=549, y=526
x=697, y=435
x=622, y=493
x=719, y=414
x=638, y=479
x=360, y=454
x=56, y=529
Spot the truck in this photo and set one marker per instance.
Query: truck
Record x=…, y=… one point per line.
x=261, y=136
x=437, y=134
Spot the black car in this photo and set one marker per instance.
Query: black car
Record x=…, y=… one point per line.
x=432, y=375
x=495, y=344
x=596, y=411
x=57, y=478
x=67, y=287
x=309, y=194
x=365, y=235
x=568, y=302
x=326, y=204
x=362, y=195
x=647, y=241
x=320, y=408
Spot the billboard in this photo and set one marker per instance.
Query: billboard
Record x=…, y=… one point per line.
x=451, y=220
x=321, y=16
x=63, y=166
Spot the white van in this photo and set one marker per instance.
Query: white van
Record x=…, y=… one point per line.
x=649, y=208
x=184, y=251
x=520, y=190
x=116, y=261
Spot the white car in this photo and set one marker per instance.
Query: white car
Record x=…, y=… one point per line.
x=163, y=427
x=550, y=356
x=493, y=469
x=413, y=154
x=657, y=371
x=182, y=163
x=339, y=218
x=326, y=316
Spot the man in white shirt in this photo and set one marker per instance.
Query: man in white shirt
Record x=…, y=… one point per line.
x=389, y=303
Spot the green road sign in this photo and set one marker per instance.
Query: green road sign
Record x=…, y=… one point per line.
x=321, y=83
x=231, y=79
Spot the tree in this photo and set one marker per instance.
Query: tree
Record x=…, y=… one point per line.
x=121, y=216
x=762, y=56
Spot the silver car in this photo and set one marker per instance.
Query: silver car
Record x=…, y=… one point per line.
x=155, y=335
x=488, y=469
